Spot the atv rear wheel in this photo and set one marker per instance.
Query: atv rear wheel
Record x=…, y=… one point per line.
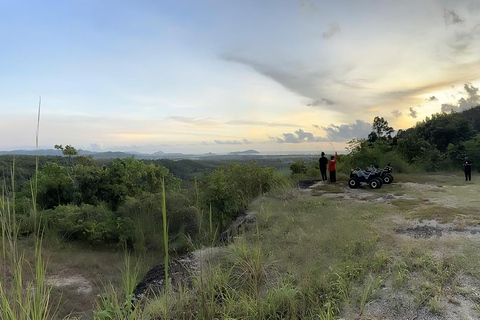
x=375, y=184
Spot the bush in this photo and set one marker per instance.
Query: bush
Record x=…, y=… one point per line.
x=90, y=224
x=229, y=190
x=298, y=166
x=145, y=214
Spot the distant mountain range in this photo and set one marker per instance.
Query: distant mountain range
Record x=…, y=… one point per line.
x=245, y=152
x=121, y=154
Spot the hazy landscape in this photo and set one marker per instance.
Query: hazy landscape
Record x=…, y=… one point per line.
x=160, y=160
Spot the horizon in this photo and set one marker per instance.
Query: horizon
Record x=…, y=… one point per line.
x=260, y=153
x=214, y=76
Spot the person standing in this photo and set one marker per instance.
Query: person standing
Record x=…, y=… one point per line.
x=467, y=167
x=323, y=161
x=332, y=167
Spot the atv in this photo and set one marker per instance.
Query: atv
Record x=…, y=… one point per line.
x=384, y=174
x=358, y=176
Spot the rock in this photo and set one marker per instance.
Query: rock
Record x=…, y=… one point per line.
x=180, y=271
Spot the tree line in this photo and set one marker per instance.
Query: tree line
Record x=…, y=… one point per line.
x=117, y=203
x=439, y=142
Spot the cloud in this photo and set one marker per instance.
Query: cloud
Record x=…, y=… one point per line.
x=291, y=76
x=261, y=123
x=196, y=121
x=94, y=146
x=321, y=102
x=332, y=30
x=411, y=92
x=472, y=100
x=432, y=98
x=451, y=17
x=397, y=113
x=299, y=136
x=346, y=132
x=309, y=7
x=463, y=39
x=245, y=141
x=413, y=113
x=228, y=142
x=449, y=108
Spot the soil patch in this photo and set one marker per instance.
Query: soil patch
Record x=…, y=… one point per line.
x=78, y=282
x=432, y=228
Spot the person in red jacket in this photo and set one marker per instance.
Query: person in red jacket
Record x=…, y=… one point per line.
x=332, y=168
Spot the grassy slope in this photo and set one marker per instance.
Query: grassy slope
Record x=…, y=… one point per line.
x=353, y=239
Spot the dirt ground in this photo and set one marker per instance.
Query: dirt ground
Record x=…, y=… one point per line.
x=441, y=214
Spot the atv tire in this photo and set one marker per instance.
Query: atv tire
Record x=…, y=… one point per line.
x=388, y=178
x=353, y=183
x=375, y=184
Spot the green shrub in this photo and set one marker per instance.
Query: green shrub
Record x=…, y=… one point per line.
x=90, y=224
x=298, y=166
x=230, y=189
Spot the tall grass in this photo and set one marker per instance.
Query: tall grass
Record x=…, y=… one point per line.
x=24, y=294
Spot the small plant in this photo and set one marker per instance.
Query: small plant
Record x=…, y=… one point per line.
x=371, y=287
x=329, y=310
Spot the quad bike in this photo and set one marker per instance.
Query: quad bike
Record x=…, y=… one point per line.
x=358, y=176
x=384, y=174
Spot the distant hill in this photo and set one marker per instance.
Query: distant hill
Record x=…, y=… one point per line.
x=244, y=152
x=99, y=155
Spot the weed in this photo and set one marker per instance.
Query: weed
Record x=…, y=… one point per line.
x=370, y=289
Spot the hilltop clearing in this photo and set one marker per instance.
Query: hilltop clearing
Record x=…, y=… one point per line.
x=409, y=250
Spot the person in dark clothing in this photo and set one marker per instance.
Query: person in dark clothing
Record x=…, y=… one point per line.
x=467, y=167
x=323, y=161
x=332, y=168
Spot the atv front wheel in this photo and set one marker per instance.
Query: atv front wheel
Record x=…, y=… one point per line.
x=353, y=183
x=388, y=178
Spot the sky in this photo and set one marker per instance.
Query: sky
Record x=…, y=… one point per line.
x=198, y=76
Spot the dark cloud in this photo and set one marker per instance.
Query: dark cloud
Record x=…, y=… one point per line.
x=346, y=132
x=321, y=102
x=332, y=30
x=397, y=113
x=293, y=77
x=261, y=123
x=432, y=98
x=413, y=113
x=245, y=141
x=298, y=136
x=451, y=17
x=472, y=100
x=449, y=108
x=228, y=142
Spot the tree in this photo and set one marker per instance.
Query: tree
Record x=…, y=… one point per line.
x=381, y=128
